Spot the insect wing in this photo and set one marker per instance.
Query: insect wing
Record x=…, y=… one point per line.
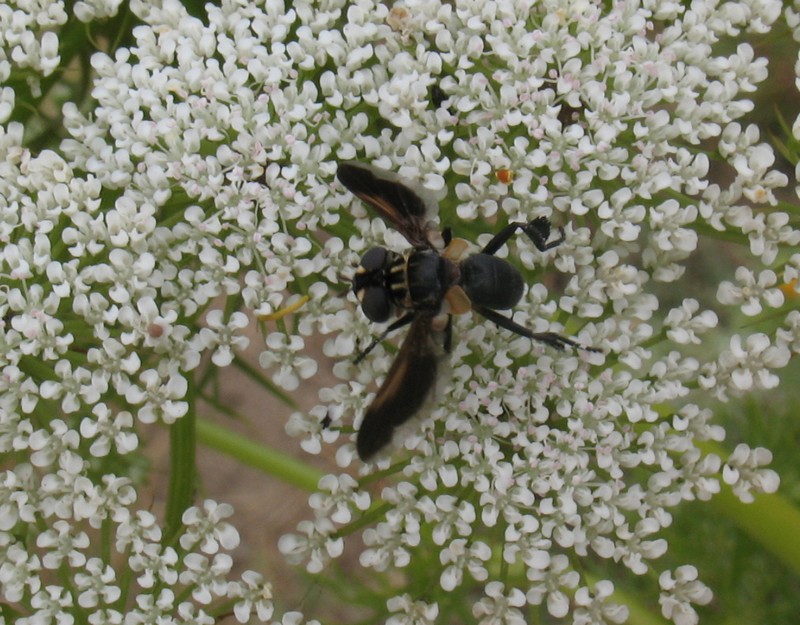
x=408, y=384
x=406, y=209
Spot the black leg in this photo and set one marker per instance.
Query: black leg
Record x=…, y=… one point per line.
x=447, y=235
x=448, y=335
x=538, y=231
x=326, y=421
x=549, y=338
x=402, y=321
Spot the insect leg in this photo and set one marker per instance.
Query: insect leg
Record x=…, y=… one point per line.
x=447, y=235
x=549, y=338
x=402, y=321
x=538, y=231
x=448, y=335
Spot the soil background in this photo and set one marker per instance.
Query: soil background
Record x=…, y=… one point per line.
x=265, y=508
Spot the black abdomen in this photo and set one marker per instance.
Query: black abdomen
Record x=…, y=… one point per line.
x=491, y=282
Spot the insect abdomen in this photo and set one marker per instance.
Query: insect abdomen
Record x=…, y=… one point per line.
x=491, y=282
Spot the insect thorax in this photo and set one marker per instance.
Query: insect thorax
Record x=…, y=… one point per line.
x=428, y=277
x=415, y=280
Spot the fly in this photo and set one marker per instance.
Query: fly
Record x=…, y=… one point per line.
x=424, y=287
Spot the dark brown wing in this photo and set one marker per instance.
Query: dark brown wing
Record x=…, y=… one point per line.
x=406, y=209
x=408, y=384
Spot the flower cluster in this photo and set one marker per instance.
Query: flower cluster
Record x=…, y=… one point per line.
x=589, y=116
x=197, y=194
x=28, y=43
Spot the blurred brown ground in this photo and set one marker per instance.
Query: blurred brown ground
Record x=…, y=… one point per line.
x=265, y=508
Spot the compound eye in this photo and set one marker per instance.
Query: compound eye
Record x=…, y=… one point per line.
x=375, y=304
x=374, y=259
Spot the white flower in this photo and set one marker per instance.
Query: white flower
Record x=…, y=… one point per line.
x=106, y=429
x=751, y=291
x=57, y=446
x=680, y=592
x=155, y=564
x=76, y=386
x=450, y=515
x=59, y=542
x=790, y=337
x=744, y=472
x=97, y=585
x=405, y=611
x=208, y=579
x=160, y=396
x=548, y=583
x=498, y=607
x=283, y=350
x=338, y=496
x=154, y=607
x=684, y=324
x=88, y=10
x=191, y=613
x=151, y=327
x=19, y=573
x=459, y=555
x=206, y=529
x=317, y=544
x=391, y=542
x=254, y=596
x=39, y=54
x=221, y=336
x=745, y=365
x=52, y=602
x=295, y=618
x=595, y=608
x=197, y=183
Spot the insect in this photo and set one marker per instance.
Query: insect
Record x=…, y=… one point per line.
x=424, y=287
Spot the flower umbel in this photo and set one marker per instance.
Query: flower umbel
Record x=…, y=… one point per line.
x=193, y=198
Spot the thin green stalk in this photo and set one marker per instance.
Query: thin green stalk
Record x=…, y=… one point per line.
x=182, y=471
x=266, y=459
x=254, y=374
x=771, y=520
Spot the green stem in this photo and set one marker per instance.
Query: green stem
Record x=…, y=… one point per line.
x=182, y=472
x=255, y=375
x=771, y=520
x=266, y=459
